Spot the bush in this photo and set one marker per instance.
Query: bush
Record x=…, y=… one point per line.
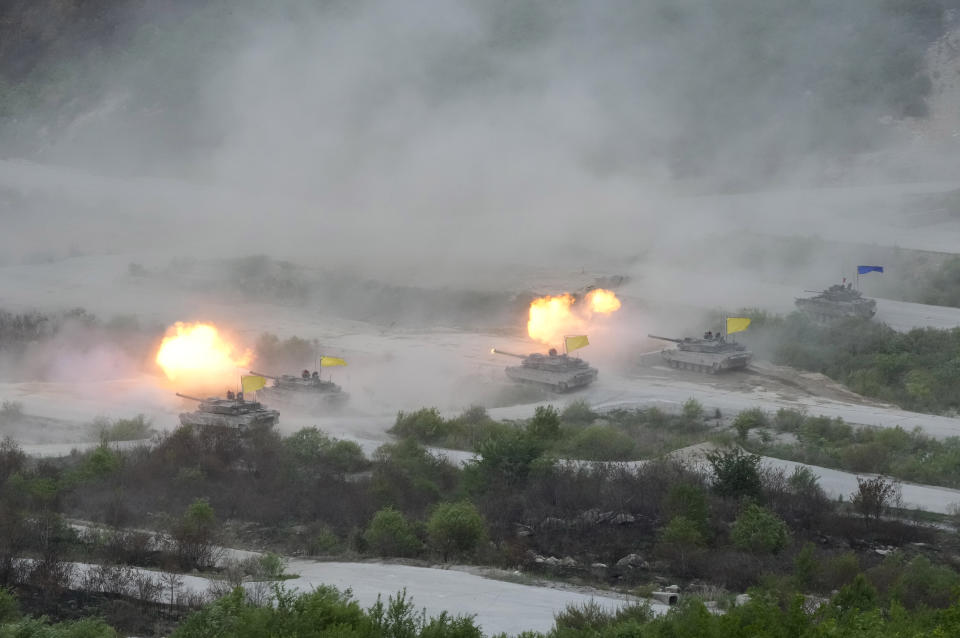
x=195, y=534
x=579, y=413
x=680, y=540
x=690, y=502
x=313, y=450
x=545, y=424
x=874, y=496
x=425, y=425
x=736, y=474
x=692, y=410
x=9, y=607
x=390, y=534
x=601, y=443
x=760, y=531
x=133, y=429
x=749, y=420
x=456, y=529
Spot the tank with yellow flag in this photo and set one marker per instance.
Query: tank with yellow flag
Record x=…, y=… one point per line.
x=307, y=390
x=553, y=371
x=235, y=411
x=711, y=354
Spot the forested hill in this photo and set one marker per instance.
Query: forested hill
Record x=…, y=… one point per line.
x=680, y=84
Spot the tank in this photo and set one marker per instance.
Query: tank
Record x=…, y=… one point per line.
x=711, y=354
x=552, y=371
x=232, y=412
x=303, y=390
x=838, y=301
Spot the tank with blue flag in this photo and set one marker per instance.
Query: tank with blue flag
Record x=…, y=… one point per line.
x=839, y=301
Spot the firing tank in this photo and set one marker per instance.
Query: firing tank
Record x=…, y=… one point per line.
x=232, y=412
x=711, y=354
x=552, y=371
x=303, y=390
x=836, y=302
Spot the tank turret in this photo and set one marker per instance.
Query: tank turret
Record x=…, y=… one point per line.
x=552, y=371
x=836, y=302
x=305, y=390
x=712, y=354
x=233, y=412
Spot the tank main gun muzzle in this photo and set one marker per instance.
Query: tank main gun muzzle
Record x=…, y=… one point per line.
x=509, y=354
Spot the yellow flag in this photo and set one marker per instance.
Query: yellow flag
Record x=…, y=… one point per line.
x=576, y=342
x=252, y=383
x=326, y=362
x=737, y=324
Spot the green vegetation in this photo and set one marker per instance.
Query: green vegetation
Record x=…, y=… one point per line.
x=107, y=431
x=391, y=534
x=575, y=432
x=917, y=370
x=456, y=529
x=908, y=456
x=760, y=531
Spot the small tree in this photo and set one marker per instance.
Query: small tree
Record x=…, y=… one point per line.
x=194, y=535
x=390, y=534
x=736, y=474
x=875, y=495
x=680, y=539
x=456, y=528
x=760, y=531
x=749, y=420
x=692, y=410
x=545, y=423
x=578, y=413
x=689, y=501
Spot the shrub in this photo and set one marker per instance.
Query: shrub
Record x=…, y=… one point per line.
x=425, y=425
x=736, y=474
x=545, y=424
x=692, y=410
x=680, y=539
x=690, y=502
x=601, y=443
x=874, y=496
x=578, y=412
x=194, y=535
x=749, y=420
x=390, y=534
x=456, y=528
x=760, y=531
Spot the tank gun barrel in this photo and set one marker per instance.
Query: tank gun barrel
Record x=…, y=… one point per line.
x=187, y=396
x=665, y=338
x=509, y=354
x=260, y=374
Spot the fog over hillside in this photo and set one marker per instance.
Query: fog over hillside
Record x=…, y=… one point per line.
x=446, y=133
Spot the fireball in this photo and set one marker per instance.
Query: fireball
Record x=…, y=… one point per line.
x=551, y=318
x=603, y=301
x=196, y=355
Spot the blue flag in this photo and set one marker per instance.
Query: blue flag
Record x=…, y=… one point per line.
x=862, y=270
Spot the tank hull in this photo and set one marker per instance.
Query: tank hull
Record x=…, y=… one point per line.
x=304, y=399
x=552, y=381
x=709, y=362
x=825, y=310
x=262, y=417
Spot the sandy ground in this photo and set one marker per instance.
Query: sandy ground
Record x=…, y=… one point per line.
x=496, y=605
